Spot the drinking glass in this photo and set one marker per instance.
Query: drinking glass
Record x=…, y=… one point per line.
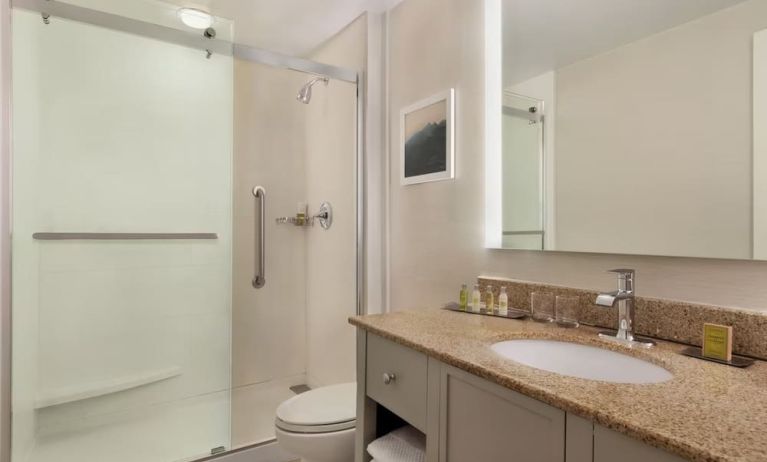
x=567, y=311
x=542, y=306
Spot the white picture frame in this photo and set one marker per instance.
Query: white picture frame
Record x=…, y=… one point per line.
x=421, y=159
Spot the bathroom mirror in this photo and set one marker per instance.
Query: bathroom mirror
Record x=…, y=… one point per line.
x=632, y=127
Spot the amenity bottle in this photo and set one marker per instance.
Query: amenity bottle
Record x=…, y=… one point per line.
x=489, y=300
x=463, y=297
x=503, y=303
x=475, y=298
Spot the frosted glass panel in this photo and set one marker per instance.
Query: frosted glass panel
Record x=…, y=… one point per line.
x=121, y=348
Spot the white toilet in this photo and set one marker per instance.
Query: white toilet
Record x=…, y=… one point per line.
x=318, y=425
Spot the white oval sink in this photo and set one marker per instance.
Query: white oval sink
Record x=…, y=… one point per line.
x=582, y=361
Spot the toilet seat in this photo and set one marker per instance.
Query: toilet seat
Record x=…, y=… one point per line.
x=316, y=428
x=322, y=410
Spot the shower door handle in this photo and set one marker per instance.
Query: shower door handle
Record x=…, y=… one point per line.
x=260, y=259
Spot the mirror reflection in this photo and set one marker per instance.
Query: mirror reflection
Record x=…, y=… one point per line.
x=634, y=127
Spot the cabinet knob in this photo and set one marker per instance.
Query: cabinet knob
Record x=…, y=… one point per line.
x=388, y=378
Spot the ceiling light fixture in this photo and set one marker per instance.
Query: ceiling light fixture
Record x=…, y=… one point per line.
x=194, y=18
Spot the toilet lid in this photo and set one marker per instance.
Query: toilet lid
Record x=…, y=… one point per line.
x=322, y=406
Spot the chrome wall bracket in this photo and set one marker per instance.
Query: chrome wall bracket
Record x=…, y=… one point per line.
x=325, y=216
x=295, y=221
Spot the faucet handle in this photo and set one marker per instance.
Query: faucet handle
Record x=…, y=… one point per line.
x=625, y=279
x=623, y=272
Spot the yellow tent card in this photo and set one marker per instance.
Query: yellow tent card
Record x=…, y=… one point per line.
x=717, y=342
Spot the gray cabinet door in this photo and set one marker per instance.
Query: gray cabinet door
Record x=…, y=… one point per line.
x=610, y=446
x=481, y=421
x=579, y=439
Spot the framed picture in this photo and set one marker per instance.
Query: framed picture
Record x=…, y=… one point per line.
x=427, y=139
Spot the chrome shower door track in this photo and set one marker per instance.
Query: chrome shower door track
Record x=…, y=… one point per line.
x=180, y=37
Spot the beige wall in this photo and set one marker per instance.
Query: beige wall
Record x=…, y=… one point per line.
x=659, y=133
x=268, y=324
x=760, y=145
x=293, y=330
x=437, y=229
x=330, y=176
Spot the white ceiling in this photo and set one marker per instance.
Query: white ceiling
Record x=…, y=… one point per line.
x=292, y=27
x=543, y=35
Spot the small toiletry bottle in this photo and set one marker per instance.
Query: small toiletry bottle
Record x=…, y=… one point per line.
x=489, y=300
x=503, y=303
x=475, y=298
x=463, y=297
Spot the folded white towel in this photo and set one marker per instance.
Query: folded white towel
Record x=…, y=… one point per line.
x=405, y=444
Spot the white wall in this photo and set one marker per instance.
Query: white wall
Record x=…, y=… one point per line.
x=117, y=133
x=654, y=142
x=330, y=176
x=437, y=229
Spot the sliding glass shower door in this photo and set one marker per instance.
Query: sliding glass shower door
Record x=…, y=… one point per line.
x=122, y=217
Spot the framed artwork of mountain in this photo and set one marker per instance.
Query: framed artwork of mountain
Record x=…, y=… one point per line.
x=427, y=139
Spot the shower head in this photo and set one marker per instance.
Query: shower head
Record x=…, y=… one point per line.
x=305, y=94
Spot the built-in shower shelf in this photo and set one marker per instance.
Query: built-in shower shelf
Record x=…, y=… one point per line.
x=105, y=387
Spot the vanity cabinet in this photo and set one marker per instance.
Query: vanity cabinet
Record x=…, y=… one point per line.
x=610, y=446
x=467, y=418
x=479, y=420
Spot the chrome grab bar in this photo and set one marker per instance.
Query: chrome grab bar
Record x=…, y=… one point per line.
x=260, y=279
x=121, y=236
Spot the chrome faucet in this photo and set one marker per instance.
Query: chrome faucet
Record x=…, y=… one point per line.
x=624, y=298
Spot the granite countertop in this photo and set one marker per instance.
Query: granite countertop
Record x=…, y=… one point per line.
x=707, y=412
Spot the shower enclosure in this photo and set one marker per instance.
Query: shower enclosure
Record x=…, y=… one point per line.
x=139, y=333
